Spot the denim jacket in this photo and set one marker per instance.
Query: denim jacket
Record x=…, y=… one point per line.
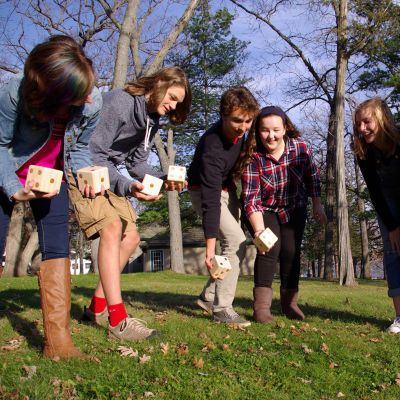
x=22, y=136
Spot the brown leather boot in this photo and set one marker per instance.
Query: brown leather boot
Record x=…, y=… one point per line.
x=262, y=304
x=55, y=294
x=289, y=303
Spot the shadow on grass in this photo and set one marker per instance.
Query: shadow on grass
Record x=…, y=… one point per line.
x=14, y=303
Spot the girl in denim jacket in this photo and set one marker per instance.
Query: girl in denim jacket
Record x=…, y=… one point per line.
x=46, y=118
x=377, y=148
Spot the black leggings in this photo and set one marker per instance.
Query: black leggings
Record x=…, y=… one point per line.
x=287, y=250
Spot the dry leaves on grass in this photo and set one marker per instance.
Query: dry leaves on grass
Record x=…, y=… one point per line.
x=144, y=359
x=397, y=380
x=374, y=340
x=13, y=343
x=30, y=371
x=203, y=335
x=164, y=348
x=340, y=394
x=294, y=331
x=324, y=348
x=226, y=348
x=127, y=351
x=149, y=349
x=198, y=363
x=305, y=348
x=333, y=365
x=182, y=349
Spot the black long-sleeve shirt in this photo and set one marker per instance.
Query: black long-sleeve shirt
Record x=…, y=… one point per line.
x=381, y=172
x=210, y=170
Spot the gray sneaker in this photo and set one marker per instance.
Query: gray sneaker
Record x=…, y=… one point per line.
x=230, y=316
x=131, y=329
x=205, y=305
x=97, y=318
x=395, y=327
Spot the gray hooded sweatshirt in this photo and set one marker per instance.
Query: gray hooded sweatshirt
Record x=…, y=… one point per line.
x=120, y=139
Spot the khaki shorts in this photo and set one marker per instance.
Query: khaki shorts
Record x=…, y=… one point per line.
x=94, y=214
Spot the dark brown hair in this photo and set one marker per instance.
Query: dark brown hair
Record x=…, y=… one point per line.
x=238, y=97
x=157, y=85
x=253, y=142
x=57, y=73
x=387, y=128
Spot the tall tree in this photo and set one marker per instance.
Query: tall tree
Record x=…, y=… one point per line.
x=327, y=82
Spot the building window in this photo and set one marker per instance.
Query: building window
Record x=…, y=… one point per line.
x=157, y=260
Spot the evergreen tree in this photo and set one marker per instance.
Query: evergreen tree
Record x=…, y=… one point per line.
x=210, y=56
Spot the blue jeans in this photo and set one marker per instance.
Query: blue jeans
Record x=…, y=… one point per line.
x=391, y=260
x=51, y=216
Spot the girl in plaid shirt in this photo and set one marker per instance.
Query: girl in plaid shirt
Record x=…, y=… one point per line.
x=278, y=174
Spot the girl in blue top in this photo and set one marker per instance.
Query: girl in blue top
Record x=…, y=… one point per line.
x=46, y=118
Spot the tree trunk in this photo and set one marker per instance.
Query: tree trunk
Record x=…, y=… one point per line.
x=122, y=56
x=14, y=239
x=344, y=249
x=27, y=254
x=320, y=267
x=174, y=214
x=329, y=259
x=365, y=261
x=81, y=252
x=94, y=251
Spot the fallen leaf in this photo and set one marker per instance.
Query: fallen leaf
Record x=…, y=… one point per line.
x=374, y=340
x=333, y=365
x=30, y=371
x=183, y=349
x=148, y=394
x=149, y=349
x=306, y=349
x=144, y=359
x=226, y=348
x=56, y=382
x=340, y=394
x=210, y=345
x=164, y=348
x=324, y=348
x=303, y=380
x=198, y=363
x=203, y=335
x=294, y=331
x=127, y=351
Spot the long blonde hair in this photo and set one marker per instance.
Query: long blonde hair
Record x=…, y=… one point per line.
x=387, y=128
x=157, y=85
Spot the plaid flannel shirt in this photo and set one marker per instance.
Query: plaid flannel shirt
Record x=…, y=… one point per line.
x=281, y=186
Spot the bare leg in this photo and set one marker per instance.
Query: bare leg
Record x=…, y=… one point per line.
x=396, y=303
x=114, y=253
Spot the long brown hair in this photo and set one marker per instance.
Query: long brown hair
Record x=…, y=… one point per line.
x=57, y=73
x=387, y=128
x=253, y=142
x=157, y=85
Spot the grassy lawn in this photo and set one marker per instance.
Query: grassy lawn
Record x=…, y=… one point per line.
x=341, y=350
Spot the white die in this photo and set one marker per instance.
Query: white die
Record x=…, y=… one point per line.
x=152, y=185
x=176, y=173
x=94, y=177
x=47, y=180
x=221, y=266
x=265, y=241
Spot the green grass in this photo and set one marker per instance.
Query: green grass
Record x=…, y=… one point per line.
x=344, y=330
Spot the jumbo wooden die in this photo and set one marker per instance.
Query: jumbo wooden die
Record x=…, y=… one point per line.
x=47, y=180
x=94, y=177
x=265, y=241
x=152, y=185
x=176, y=173
x=221, y=266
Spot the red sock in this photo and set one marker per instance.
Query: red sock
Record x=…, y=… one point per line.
x=98, y=304
x=117, y=313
